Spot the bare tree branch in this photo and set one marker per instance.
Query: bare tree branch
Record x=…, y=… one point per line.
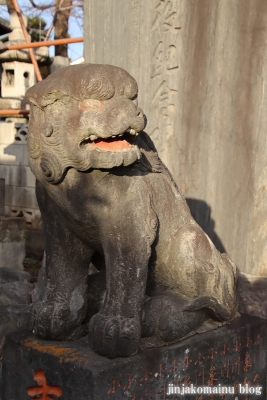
x=62, y=25
x=51, y=27
x=70, y=7
x=41, y=7
x=10, y=6
x=61, y=11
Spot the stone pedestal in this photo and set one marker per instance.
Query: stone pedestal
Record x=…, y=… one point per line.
x=231, y=358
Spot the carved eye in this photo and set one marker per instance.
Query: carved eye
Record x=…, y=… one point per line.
x=91, y=105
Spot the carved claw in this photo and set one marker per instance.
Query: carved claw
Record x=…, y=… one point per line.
x=49, y=321
x=114, y=335
x=41, y=319
x=56, y=316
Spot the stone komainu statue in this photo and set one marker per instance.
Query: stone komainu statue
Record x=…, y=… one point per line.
x=106, y=198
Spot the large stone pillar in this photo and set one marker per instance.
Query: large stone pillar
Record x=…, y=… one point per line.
x=201, y=69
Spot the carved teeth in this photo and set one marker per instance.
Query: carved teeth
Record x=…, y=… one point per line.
x=92, y=137
x=131, y=131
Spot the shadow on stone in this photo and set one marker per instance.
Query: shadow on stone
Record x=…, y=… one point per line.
x=201, y=212
x=252, y=295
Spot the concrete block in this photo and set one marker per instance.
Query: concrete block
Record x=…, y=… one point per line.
x=10, y=104
x=32, y=217
x=12, y=317
x=35, y=242
x=15, y=212
x=228, y=357
x=36, y=221
x=17, y=175
x=22, y=133
x=13, y=199
x=25, y=160
x=13, y=154
x=12, y=242
x=12, y=229
x=19, y=197
x=7, y=133
x=2, y=196
x=13, y=174
x=7, y=211
x=29, y=179
x=15, y=22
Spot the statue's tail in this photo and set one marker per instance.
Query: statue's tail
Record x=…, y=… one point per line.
x=219, y=312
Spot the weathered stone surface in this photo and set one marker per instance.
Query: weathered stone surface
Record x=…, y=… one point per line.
x=2, y=197
x=12, y=254
x=15, y=293
x=35, y=241
x=252, y=293
x=41, y=283
x=15, y=299
x=201, y=71
x=12, y=317
x=1, y=382
x=12, y=229
x=230, y=356
x=11, y=275
x=12, y=242
x=106, y=197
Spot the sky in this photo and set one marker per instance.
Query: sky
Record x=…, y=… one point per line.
x=75, y=50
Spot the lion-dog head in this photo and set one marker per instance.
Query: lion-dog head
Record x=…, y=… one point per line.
x=83, y=116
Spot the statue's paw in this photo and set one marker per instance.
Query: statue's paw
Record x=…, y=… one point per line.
x=51, y=320
x=114, y=335
x=164, y=317
x=41, y=319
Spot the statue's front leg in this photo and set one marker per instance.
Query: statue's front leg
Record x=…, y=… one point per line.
x=116, y=329
x=62, y=306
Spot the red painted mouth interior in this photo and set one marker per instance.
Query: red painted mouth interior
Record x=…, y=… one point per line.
x=111, y=144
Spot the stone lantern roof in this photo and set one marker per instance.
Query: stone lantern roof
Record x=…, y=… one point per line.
x=4, y=26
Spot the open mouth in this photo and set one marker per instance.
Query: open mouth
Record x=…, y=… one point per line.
x=122, y=141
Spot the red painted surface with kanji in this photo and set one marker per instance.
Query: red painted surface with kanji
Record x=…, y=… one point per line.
x=47, y=392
